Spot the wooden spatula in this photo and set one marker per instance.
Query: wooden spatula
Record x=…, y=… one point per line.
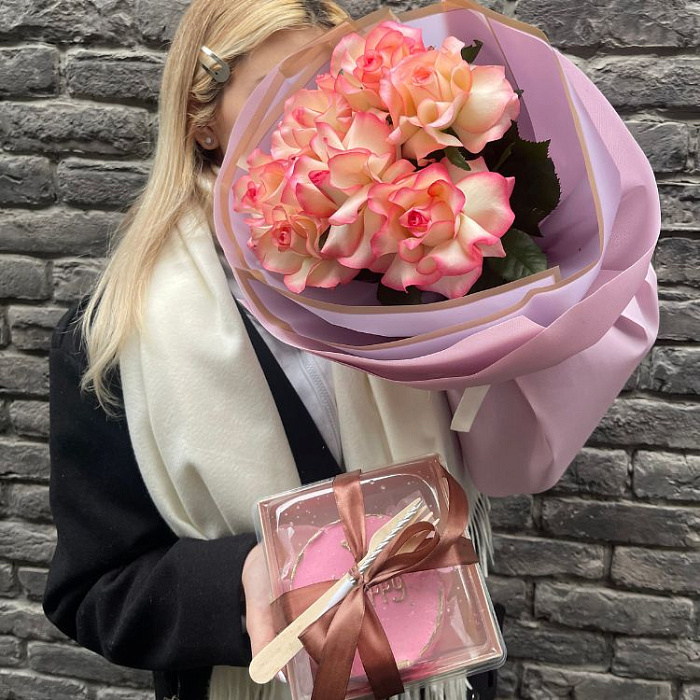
x=269, y=660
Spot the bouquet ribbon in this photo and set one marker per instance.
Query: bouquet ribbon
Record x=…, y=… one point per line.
x=352, y=624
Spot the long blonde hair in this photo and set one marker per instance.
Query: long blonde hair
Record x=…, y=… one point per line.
x=182, y=172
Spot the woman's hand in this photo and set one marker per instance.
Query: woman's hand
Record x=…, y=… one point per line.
x=258, y=594
x=256, y=587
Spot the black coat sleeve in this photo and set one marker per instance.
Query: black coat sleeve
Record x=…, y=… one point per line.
x=121, y=583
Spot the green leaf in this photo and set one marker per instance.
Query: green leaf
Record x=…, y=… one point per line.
x=523, y=257
x=366, y=275
x=323, y=238
x=395, y=297
x=488, y=279
x=456, y=158
x=505, y=155
x=537, y=190
x=469, y=53
x=464, y=151
x=435, y=155
x=519, y=92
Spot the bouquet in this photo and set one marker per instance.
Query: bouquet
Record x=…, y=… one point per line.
x=444, y=200
x=401, y=162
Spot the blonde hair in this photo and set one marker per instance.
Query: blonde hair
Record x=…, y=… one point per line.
x=182, y=172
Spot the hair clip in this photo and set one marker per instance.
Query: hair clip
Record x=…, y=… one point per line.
x=222, y=72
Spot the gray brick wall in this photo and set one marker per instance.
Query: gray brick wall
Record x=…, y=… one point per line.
x=600, y=575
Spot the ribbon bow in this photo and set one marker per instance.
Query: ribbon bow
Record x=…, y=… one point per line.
x=352, y=624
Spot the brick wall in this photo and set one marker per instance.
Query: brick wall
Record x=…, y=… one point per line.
x=599, y=576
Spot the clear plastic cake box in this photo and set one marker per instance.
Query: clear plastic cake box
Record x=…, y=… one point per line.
x=439, y=622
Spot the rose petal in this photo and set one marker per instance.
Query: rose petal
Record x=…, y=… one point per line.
x=348, y=211
x=313, y=201
x=490, y=93
x=400, y=274
x=369, y=132
x=328, y=274
x=274, y=260
x=451, y=258
x=349, y=170
x=455, y=286
x=343, y=240
x=487, y=201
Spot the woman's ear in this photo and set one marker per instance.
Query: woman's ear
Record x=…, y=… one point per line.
x=207, y=139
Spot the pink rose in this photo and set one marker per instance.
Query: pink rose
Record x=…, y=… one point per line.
x=435, y=233
x=358, y=63
x=428, y=92
x=262, y=185
x=286, y=241
x=301, y=112
x=285, y=238
x=334, y=182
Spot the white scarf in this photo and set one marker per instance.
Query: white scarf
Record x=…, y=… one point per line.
x=207, y=434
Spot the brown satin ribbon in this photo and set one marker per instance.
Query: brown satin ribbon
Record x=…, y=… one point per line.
x=352, y=624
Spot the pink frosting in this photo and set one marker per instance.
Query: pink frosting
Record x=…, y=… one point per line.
x=409, y=606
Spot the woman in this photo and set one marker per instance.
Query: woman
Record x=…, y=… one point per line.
x=126, y=580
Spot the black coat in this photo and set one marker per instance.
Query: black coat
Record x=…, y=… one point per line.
x=121, y=583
